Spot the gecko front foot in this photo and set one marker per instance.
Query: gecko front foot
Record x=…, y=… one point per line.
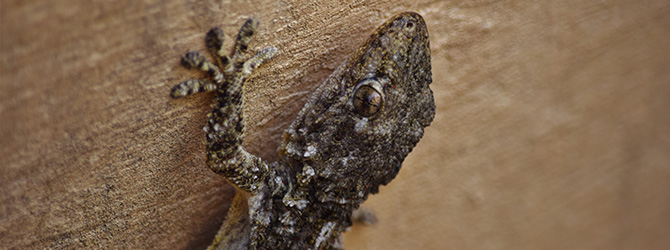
x=226, y=69
x=225, y=126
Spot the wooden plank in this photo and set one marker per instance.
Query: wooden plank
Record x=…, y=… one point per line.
x=552, y=129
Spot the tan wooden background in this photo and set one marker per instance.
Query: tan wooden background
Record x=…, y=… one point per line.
x=552, y=127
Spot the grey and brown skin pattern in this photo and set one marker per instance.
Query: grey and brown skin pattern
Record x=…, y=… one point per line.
x=351, y=137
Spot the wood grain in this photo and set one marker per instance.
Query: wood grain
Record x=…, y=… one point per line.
x=552, y=129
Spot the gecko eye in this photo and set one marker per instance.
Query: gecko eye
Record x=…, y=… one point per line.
x=367, y=100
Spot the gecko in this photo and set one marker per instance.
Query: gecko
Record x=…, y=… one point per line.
x=350, y=137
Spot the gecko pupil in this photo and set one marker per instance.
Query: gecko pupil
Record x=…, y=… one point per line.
x=367, y=101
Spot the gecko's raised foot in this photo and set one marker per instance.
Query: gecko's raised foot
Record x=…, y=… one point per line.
x=222, y=71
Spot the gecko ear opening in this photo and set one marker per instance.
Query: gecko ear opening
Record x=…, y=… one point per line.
x=368, y=100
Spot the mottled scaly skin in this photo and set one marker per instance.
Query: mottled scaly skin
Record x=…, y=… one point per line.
x=351, y=137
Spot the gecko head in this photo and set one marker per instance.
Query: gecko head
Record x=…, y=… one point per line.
x=355, y=131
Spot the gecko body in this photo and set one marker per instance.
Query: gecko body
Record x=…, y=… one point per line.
x=351, y=136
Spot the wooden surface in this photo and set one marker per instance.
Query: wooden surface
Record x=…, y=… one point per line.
x=552, y=127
